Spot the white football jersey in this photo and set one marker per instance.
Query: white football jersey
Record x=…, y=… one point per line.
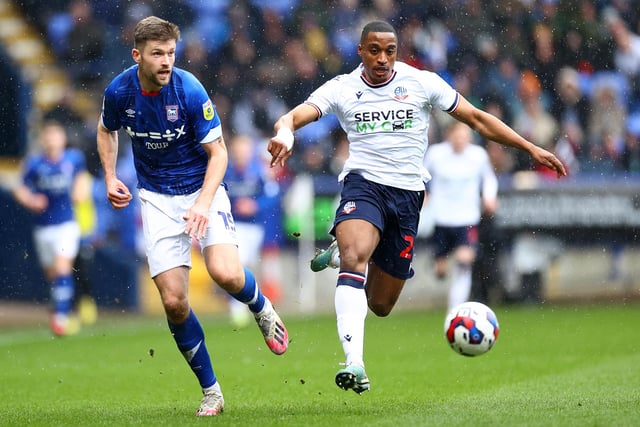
x=457, y=183
x=386, y=124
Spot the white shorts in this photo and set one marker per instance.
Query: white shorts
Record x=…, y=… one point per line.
x=167, y=245
x=56, y=240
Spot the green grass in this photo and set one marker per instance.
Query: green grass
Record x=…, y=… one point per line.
x=551, y=366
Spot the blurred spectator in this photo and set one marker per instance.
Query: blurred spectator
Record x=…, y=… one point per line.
x=304, y=74
x=533, y=122
x=570, y=146
x=119, y=48
x=210, y=22
x=254, y=113
x=607, y=119
x=572, y=108
x=474, y=15
x=502, y=158
x=627, y=51
x=605, y=156
x=511, y=36
x=80, y=40
x=544, y=61
x=273, y=35
x=570, y=103
x=501, y=79
x=344, y=34
x=432, y=41
x=409, y=38
x=582, y=40
x=631, y=152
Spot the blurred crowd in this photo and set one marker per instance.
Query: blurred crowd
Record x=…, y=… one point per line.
x=563, y=73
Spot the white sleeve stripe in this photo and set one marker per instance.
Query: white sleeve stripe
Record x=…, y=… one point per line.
x=213, y=135
x=102, y=124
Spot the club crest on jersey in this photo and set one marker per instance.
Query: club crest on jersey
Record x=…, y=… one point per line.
x=207, y=110
x=349, y=207
x=172, y=112
x=400, y=93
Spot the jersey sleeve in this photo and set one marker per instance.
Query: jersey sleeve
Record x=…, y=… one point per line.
x=443, y=96
x=29, y=173
x=202, y=112
x=323, y=97
x=109, y=117
x=79, y=161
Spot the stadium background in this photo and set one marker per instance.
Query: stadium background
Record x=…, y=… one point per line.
x=578, y=236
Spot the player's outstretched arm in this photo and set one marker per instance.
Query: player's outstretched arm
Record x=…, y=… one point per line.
x=496, y=130
x=281, y=145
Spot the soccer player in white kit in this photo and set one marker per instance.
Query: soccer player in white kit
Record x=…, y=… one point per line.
x=384, y=107
x=462, y=186
x=180, y=159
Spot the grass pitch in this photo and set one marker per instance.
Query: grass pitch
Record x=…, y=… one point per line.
x=551, y=366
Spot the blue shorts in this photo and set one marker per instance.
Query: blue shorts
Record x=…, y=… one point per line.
x=446, y=239
x=395, y=212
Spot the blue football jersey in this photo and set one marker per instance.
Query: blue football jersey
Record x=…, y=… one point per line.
x=55, y=180
x=166, y=128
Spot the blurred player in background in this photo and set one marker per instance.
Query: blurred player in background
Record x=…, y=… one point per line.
x=52, y=182
x=251, y=192
x=384, y=108
x=462, y=186
x=180, y=159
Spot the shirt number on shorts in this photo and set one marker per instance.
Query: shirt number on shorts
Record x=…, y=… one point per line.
x=406, y=252
x=227, y=218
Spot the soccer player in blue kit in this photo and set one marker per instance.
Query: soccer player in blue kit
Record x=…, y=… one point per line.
x=50, y=185
x=384, y=108
x=180, y=159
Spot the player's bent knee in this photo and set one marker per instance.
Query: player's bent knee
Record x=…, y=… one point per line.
x=465, y=255
x=227, y=279
x=380, y=309
x=176, y=309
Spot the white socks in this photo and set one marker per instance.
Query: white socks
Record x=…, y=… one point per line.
x=351, y=311
x=460, y=285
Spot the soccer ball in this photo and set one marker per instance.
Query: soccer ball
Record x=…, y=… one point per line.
x=471, y=328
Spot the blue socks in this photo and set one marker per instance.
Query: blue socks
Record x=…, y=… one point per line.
x=62, y=290
x=189, y=335
x=190, y=339
x=250, y=294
